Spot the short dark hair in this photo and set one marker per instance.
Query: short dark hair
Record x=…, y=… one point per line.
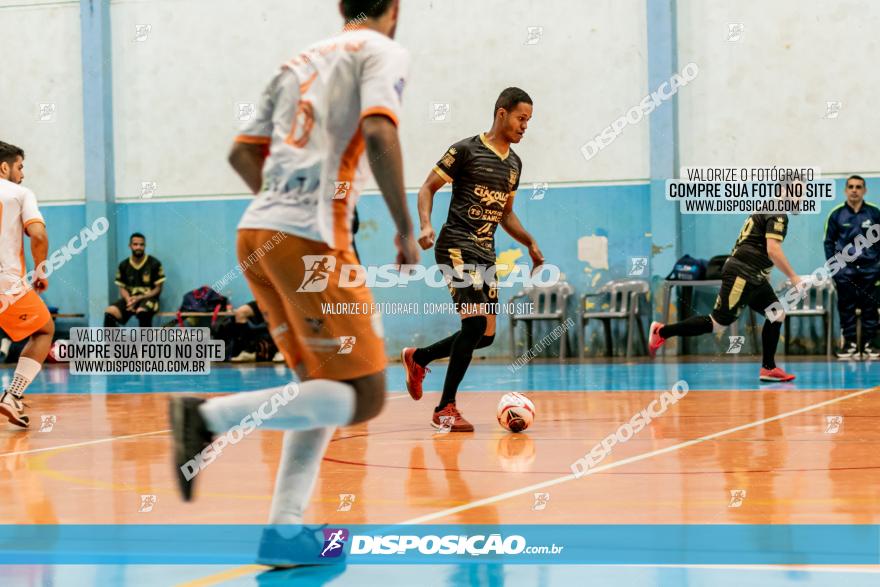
x=859, y=177
x=135, y=235
x=9, y=153
x=353, y=9
x=509, y=98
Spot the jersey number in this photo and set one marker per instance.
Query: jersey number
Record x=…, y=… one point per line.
x=304, y=119
x=746, y=231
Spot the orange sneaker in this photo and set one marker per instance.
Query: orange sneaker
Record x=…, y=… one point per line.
x=415, y=373
x=655, y=341
x=450, y=419
x=775, y=374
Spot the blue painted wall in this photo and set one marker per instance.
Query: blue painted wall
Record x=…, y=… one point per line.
x=196, y=243
x=68, y=286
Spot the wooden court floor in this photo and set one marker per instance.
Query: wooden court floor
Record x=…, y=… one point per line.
x=761, y=455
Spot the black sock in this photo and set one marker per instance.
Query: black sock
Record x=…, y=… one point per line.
x=110, y=320
x=439, y=350
x=443, y=348
x=769, y=338
x=145, y=319
x=693, y=326
x=470, y=335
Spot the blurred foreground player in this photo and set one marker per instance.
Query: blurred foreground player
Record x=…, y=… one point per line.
x=484, y=172
x=325, y=109
x=22, y=313
x=744, y=282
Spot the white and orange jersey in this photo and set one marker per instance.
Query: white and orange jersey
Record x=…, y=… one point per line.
x=309, y=117
x=18, y=210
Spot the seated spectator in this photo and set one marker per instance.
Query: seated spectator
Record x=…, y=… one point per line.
x=250, y=336
x=140, y=279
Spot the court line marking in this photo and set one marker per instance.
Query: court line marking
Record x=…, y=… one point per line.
x=217, y=578
x=109, y=439
x=633, y=459
x=77, y=444
x=224, y=576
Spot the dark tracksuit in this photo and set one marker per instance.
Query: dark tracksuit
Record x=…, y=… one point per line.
x=858, y=283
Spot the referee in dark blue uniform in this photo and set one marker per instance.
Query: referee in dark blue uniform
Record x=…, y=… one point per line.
x=858, y=283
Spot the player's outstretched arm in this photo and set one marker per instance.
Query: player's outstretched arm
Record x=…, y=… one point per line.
x=426, y=204
x=512, y=226
x=247, y=160
x=774, y=251
x=39, y=250
x=386, y=162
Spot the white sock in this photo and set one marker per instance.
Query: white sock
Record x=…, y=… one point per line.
x=313, y=404
x=301, y=455
x=25, y=372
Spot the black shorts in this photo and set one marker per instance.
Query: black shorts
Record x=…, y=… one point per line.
x=150, y=307
x=737, y=291
x=470, y=291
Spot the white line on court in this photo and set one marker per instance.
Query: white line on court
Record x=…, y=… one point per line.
x=627, y=461
x=100, y=440
x=76, y=444
x=111, y=439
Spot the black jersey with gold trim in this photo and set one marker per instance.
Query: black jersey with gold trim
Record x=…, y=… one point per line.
x=482, y=181
x=750, y=251
x=142, y=277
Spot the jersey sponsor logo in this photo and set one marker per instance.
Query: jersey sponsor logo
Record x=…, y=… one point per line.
x=477, y=212
x=448, y=159
x=513, y=176
x=489, y=197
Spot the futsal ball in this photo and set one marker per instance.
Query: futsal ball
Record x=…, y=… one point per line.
x=516, y=412
x=52, y=357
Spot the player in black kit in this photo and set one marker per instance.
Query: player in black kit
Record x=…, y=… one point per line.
x=140, y=279
x=484, y=172
x=744, y=282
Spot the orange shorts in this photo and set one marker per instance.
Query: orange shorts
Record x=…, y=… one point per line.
x=25, y=316
x=323, y=330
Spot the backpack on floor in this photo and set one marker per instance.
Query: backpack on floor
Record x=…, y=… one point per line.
x=203, y=299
